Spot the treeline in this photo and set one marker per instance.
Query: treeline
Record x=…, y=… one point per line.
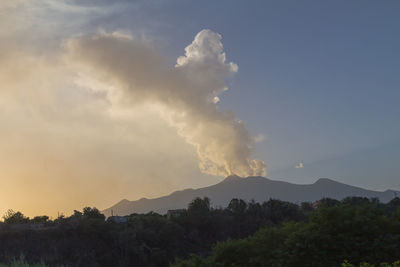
x=273, y=233
x=355, y=231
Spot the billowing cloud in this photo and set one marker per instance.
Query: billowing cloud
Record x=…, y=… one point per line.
x=61, y=141
x=188, y=92
x=94, y=125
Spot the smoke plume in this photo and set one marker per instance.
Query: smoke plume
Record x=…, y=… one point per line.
x=188, y=92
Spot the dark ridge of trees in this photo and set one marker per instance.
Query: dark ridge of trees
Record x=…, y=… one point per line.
x=354, y=231
x=273, y=233
x=12, y=217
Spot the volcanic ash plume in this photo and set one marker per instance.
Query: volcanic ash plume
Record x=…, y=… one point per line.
x=189, y=92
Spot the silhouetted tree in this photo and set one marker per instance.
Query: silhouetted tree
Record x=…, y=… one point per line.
x=237, y=207
x=275, y=233
x=357, y=200
x=199, y=206
x=306, y=207
x=40, y=219
x=327, y=202
x=357, y=233
x=93, y=213
x=77, y=214
x=12, y=217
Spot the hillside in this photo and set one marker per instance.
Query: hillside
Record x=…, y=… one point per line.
x=257, y=188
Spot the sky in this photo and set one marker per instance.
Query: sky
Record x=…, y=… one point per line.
x=105, y=100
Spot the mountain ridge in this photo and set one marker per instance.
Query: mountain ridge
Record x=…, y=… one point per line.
x=250, y=188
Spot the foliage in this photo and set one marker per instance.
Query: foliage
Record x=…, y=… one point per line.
x=355, y=230
x=12, y=217
x=20, y=262
x=346, y=263
x=93, y=213
x=273, y=233
x=40, y=219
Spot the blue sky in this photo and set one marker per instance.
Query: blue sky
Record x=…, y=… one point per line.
x=320, y=80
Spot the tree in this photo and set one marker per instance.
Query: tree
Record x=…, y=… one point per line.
x=357, y=230
x=327, y=202
x=77, y=214
x=237, y=207
x=199, y=206
x=93, y=213
x=40, y=219
x=356, y=201
x=278, y=211
x=306, y=207
x=12, y=217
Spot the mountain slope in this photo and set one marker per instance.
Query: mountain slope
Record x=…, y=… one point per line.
x=257, y=188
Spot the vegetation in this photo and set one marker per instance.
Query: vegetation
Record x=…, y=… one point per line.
x=274, y=233
x=20, y=262
x=12, y=217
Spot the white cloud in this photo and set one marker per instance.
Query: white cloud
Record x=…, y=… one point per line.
x=188, y=92
x=95, y=124
x=259, y=138
x=300, y=165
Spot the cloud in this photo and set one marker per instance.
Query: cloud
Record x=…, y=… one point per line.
x=62, y=138
x=59, y=140
x=91, y=128
x=188, y=92
x=259, y=138
x=300, y=165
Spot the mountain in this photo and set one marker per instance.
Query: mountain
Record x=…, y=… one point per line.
x=257, y=188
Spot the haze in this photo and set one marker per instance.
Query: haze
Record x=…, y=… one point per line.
x=104, y=100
